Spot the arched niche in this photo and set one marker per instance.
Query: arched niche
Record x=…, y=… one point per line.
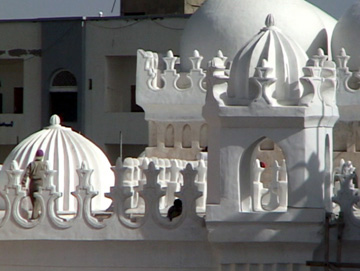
x=263, y=177
x=169, y=136
x=153, y=134
x=203, y=136
x=186, y=136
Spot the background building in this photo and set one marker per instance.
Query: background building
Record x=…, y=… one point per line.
x=84, y=69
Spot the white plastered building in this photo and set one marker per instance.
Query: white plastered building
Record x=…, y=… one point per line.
x=275, y=85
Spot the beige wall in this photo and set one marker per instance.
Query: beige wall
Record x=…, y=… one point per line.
x=192, y=5
x=20, y=66
x=120, y=76
x=113, y=44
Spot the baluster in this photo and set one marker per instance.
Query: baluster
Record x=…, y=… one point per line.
x=84, y=193
x=202, y=186
x=272, y=196
x=120, y=194
x=143, y=167
x=129, y=183
x=162, y=182
x=283, y=186
x=172, y=185
x=258, y=187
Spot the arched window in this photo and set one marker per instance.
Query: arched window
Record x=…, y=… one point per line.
x=203, y=136
x=64, y=96
x=153, y=134
x=264, y=177
x=169, y=136
x=186, y=137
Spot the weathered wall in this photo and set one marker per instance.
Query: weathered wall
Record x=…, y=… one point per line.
x=21, y=43
x=119, y=40
x=104, y=255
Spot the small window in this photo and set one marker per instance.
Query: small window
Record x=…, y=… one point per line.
x=64, y=104
x=186, y=137
x=18, y=100
x=169, y=136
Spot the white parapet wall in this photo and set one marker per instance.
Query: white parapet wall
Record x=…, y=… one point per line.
x=141, y=197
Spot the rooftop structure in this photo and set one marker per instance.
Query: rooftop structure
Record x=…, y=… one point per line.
x=249, y=142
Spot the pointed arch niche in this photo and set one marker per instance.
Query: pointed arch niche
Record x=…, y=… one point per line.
x=186, y=136
x=263, y=177
x=203, y=136
x=169, y=136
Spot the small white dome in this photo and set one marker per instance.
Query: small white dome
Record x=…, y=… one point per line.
x=228, y=25
x=65, y=150
x=346, y=36
x=271, y=50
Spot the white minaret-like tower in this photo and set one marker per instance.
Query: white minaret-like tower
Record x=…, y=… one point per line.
x=273, y=91
x=266, y=95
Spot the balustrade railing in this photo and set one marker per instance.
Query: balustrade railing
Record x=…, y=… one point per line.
x=144, y=190
x=274, y=197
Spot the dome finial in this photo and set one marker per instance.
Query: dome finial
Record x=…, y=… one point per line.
x=269, y=21
x=54, y=120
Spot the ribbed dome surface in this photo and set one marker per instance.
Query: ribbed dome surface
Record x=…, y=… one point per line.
x=65, y=150
x=346, y=36
x=228, y=25
x=283, y=56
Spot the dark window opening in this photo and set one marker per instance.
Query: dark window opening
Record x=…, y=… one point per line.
x=18, y=100
x=134, y=106
x=134, y=13
x=1, y=103
x=64, y=104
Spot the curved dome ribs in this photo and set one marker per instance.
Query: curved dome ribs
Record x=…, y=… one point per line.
x=226, y=26
x=68, y=200
x=274, y=63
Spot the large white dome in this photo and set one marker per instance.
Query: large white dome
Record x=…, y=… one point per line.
x=229, y=24
x=65, y=150
x=346, y=36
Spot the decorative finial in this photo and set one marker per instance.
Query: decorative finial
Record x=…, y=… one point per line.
x=54, y=120
x=320, y=52
x=342, y=52
x=343, y=59
x=196, y=53
x=264, y=63
x=84, y=165
x=170, y=54
x=269, y=21
x=119, y=163
x=220, y=54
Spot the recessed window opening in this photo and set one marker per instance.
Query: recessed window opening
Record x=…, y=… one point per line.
x=64, y=96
